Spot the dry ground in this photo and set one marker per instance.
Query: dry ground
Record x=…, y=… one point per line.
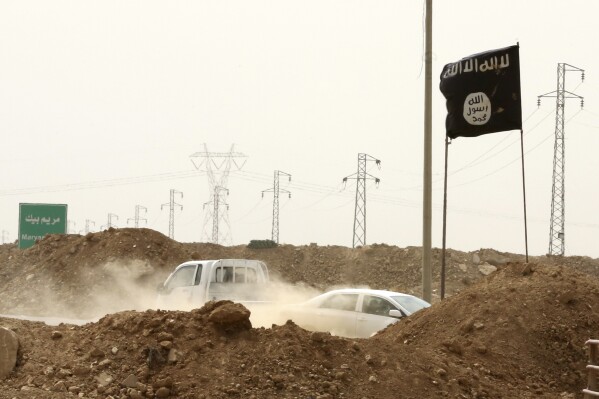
x=517, y=333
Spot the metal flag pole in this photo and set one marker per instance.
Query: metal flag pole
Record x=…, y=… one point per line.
x=447, y=142
x=523, y=179
x=524, y=194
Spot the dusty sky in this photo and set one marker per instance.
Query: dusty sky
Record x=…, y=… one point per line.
x=103, y=102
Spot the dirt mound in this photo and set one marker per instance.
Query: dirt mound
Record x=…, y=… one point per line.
x=505, y=330
x=118, y=269
x=518, y=333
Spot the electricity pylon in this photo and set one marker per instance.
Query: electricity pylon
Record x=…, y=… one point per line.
x=109, y=223
x=87, y=223
x=171, y=216
x=218, y=166
x=275, y=203
x=558, y=190
x=136, y=219
x=361, y=176
x=217, y=211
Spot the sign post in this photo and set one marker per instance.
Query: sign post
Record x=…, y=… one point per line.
x=37, y=220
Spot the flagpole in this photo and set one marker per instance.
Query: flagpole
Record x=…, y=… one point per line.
x=524, y=193
x=444, y=221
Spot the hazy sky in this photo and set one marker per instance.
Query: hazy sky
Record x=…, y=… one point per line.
x=103, y=102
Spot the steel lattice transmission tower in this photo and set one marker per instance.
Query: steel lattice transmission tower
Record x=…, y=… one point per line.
x=360, y=210
x=558, y=191
x=87, y=223
x=218, y=165
x=217, y=210
x=171, y=216
x=137, y=218
x=109, y=223
x=275, y=203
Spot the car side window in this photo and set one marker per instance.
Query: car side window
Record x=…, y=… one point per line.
x=182, y=277
x=376, y=305
x=198, y=275
x=224, y=274
x=251, y=276
x=341, y=302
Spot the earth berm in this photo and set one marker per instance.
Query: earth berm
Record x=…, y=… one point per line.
x=506, y=329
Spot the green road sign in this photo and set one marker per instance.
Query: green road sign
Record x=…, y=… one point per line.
x=37, y=220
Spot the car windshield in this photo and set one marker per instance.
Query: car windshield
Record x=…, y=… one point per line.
x=411, y=303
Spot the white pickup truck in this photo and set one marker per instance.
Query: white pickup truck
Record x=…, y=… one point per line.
x=196, y=282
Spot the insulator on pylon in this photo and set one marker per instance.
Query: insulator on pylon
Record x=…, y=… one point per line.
x=538, y=102
x=581, y=103
x=582, y=76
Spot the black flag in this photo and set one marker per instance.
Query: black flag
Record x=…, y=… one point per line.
x=483, y=93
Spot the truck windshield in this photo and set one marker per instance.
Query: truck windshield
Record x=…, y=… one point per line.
x=183, y=277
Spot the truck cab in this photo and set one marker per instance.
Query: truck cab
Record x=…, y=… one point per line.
x=196, y=282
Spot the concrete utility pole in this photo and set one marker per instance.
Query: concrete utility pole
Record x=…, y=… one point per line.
x=558, y=191
x=218, y=166
x=4, y=236
x=359, y=237
x=109, y=223
x=217, y=210
x=137, y=218
x=87, y=223
x=171, y=216
x=275, y=203
x=69, y=224
x=427, y=197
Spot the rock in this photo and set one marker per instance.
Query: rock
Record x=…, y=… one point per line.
x=164, y=336
x=475, y=259
x=96, y=353
x=130, y=381
x=56, y=335
x=59, y=387
x=174, y=356
x=163, y=392
x=230, y=313
x=167, y=345
x=463, y=267
x=103, y=379
x=486, y=269
x=9, y=345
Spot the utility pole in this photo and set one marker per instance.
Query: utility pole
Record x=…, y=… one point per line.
x=87, y=223
x=558, y=191
x=360, y=209
x=69, y=229
x=217, y=210
x=218, y=166
x=4, y=236
x=275, y=203
x=171, y=216
x=427, y=180
x=137, y=218
x=110, y=216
